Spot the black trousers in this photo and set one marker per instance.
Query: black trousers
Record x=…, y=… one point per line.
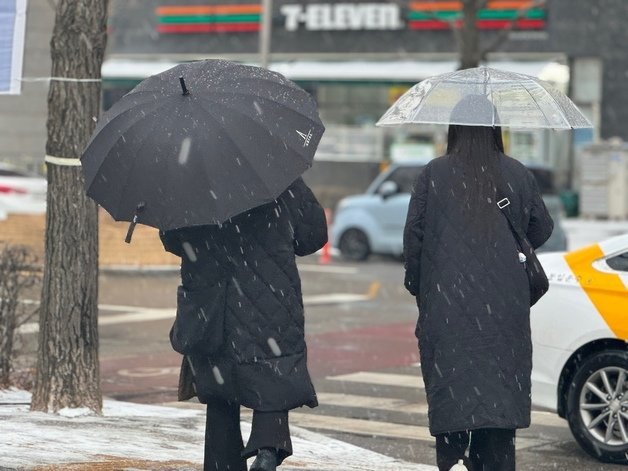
x=224, y=448
x=490, y=449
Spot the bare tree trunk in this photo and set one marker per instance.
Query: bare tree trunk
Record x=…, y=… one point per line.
x=68, y=373
x=16, y=276
x=470, y=53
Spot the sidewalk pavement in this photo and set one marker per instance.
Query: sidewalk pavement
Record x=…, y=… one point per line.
x=132, y=436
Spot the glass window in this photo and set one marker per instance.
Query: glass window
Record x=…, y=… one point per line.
x=619, y=262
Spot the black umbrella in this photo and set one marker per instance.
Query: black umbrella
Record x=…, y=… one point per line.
x=200, y=143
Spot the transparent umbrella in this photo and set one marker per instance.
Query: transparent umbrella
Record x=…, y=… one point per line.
x=519, y=101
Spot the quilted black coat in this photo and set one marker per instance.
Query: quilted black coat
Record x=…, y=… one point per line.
x=473, y=298
x=261, y=363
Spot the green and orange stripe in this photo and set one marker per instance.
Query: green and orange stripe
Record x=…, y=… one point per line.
x=498, y=14
x=209, y=19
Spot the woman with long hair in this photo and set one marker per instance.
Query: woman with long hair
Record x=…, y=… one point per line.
x=462, y=263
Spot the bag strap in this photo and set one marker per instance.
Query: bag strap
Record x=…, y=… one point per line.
x=503, y=204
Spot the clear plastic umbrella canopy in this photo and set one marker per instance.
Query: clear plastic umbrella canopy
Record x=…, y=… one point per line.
x=519, y=101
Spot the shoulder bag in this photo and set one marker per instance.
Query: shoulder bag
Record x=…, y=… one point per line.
x=537, y=279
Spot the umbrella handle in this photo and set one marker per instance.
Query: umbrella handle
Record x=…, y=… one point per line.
x=183, y=87
x=129, y=232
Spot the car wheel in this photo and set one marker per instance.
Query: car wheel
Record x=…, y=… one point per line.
x=354, y=245
x=597, y=406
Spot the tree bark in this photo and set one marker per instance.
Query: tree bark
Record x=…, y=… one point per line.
x=68, y=373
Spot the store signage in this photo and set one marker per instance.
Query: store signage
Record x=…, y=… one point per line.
x=496, y=14
x=515, y=15
x=342, y=16
x=191, y=19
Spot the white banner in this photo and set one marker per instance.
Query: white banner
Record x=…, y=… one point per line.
x=12, y=28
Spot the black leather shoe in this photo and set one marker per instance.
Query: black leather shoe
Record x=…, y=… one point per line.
x=266, y=460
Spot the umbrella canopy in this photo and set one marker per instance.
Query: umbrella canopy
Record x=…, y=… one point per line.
x=519, y=101
x=200, y=143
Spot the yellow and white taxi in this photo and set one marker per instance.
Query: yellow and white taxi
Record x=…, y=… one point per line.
x=580, y=339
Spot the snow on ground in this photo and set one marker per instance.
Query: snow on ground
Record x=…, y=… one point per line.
x=145, y=434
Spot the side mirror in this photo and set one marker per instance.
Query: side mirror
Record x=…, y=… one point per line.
x=388, y=189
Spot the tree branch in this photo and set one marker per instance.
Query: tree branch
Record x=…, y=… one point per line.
x=503, y=34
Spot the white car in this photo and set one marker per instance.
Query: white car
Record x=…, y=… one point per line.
x=372, y=223
x=21, y=192
x=580, y=344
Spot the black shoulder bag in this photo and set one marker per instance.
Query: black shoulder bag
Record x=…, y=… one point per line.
x=537, y=279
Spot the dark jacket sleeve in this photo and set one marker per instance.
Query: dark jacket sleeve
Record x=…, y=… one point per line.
x=540, y=225
x=171, y=242
x=413, y=233
x=307, y=218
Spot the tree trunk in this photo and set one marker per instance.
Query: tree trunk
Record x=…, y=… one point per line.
x=470, y=53
x=68, y=373
x=16, y=276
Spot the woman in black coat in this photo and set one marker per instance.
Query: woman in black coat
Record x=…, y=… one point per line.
x=240, y=324
x=462, y=265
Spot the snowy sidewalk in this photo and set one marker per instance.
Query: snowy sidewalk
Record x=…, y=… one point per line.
x=135, y=436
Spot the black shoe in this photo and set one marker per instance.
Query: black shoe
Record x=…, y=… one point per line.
x=266, y=460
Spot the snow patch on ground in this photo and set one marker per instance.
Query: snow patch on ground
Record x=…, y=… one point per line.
x=151, y=433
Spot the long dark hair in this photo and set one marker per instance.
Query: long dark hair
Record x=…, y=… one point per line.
x=475, y=153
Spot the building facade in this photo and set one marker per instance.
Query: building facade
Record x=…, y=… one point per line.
x=356, y=57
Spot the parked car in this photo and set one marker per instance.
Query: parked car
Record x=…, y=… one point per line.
x=580, y=335
x=21, y=192
x=372, y=223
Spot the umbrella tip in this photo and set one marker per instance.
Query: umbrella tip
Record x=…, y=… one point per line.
x=183, y=87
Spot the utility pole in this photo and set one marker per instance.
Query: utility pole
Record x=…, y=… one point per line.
x=265, y=33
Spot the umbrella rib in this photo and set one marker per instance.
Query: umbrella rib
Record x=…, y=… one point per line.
x=536, y=103
x=490, y=85
x=156, y=107
x=235, y=144
x=261, y=122
x=422, y=103
x=287, y=105
x=115, y=118
x=134, y=163
x=558, y=107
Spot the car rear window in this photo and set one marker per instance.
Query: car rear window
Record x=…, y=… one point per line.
x=545, y=179
x=10, y=173
x=404, y=177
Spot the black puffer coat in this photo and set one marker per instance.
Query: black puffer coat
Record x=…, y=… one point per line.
x=473, y=298
x=261, y=363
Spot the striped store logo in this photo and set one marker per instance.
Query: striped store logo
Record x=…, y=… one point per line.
x=498, y=14
x=421, y=15
x=209, y=19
